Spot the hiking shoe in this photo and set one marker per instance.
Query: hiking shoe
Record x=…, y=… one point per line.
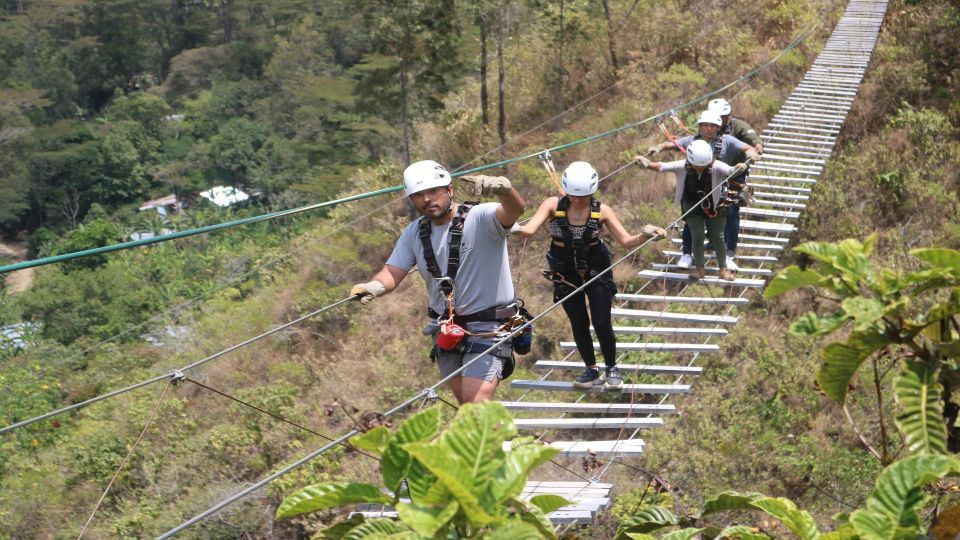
x=613, y=378
x=686, y=261
x=587, y=378
x=731, y=265
x=697, y=274
x=727, y=275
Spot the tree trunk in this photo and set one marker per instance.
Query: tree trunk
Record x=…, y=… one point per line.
x=404, y=121
x=226, y=20
x=610, y=45
x=484, y=98
x=501, y=120
x=561, y=78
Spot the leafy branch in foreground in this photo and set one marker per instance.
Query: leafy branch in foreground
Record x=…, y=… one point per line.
x=456, y=484
x=908, y=317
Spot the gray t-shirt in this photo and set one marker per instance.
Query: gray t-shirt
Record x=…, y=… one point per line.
x=732, y=151
x=483, y=279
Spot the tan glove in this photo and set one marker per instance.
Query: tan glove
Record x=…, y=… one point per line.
x=653, y=150
x=652, y=231
x=368, y=291
x=515, y=230
x=488, y=185
x=642, y=161
x=739, y=169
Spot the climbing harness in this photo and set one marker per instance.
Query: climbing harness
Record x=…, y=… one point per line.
x=547, y=160
x=577, y=248
x=700, y=190
x=453, y=257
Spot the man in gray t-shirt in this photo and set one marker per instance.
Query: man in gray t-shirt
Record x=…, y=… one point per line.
x=482, y=283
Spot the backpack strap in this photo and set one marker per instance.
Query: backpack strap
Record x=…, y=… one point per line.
x=455, y=237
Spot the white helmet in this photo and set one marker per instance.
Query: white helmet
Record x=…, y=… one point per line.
x=710, y=117
x=424, y=175
x=580, y=179
x=720, y=106
x=699, y=153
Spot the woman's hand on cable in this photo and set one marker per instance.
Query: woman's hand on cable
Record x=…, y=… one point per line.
x=652, y=231
x=643, y=161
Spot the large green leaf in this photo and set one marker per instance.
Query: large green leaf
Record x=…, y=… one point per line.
x=515, y=530
x=811, y=324
x=790, y=278
x=382, y=529
x=921, y=420
x=844, y=532
x=426, y=520
x=823, y=251
x=374, y=440
x=533, y=515
x=935, y=313
x=682, y=534
x=395, y=464
x=647, y=520
x=456, y=477
x=865, y=311
x=741, y=532
x=549, y=503
x=939, y=257
x=891, y=510
x=640, y=536
x=328, y=495
x=338, y=531
x=798, y=521
x=509, y=479
x=730, y=500
x=840, y=362
x=423, y=485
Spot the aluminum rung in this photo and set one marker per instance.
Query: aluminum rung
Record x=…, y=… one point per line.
x=788, y=147
x=819, y=91
x=680, y=299
x=762, y=238
x=806, y=138
x=651, y=347
x=782, y=187
x=817, y=108
x=819, y=155
x=836, y=70
x=710, y=280
x=791, y=125
x=808, y=118
x=544, y=486
x=669, y=317
x=588, y=407
x=623, y=447
x=587, y=423
x=745, y=245
x=754, y=258
x=799, y=169
x=751, y=225
x=819, y=88
x=628, y=368
x=667, y=331
x=778, y=204
x=820, y=100
x=828, y=145
x=744, y=271
x=791, y=179
x=792, y=160
x=851, y=82
x=560, y=386
x=751, y=211
x=772, y=195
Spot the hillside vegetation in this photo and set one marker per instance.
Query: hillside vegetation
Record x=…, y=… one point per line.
x=107, y=103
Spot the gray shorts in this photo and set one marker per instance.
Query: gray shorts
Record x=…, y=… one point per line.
x=488, y=367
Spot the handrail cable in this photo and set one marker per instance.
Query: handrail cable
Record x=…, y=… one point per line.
x=283, y=213
x=177, y=373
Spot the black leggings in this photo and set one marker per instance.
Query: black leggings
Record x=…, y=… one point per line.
x=600, y=294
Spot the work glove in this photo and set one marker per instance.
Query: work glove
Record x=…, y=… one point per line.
x=642, y=161
x=515, y=230
x=368, y=291
x=653, y=150
x=740, y=168
x=651, y=231
x=488, y=185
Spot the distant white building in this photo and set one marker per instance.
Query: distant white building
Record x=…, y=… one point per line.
x=163, y=205
x=224, y=196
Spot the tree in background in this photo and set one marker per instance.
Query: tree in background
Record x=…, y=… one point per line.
x=416, y=62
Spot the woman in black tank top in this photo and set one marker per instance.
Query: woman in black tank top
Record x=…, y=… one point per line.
x=576, y=255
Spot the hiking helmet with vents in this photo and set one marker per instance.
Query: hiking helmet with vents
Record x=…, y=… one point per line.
x=580, y=179
x=424, y=175
x=710, y=117
x=699, y=153
x=720, y=106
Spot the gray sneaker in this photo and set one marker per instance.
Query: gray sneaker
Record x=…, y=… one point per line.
x=613, y=378
x=587, y=378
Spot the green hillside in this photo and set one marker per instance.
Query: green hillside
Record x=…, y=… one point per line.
x=106, y=104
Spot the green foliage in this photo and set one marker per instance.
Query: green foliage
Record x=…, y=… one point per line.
x=459, y=479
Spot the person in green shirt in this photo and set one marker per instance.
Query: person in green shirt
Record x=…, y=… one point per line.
x=745, y=132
